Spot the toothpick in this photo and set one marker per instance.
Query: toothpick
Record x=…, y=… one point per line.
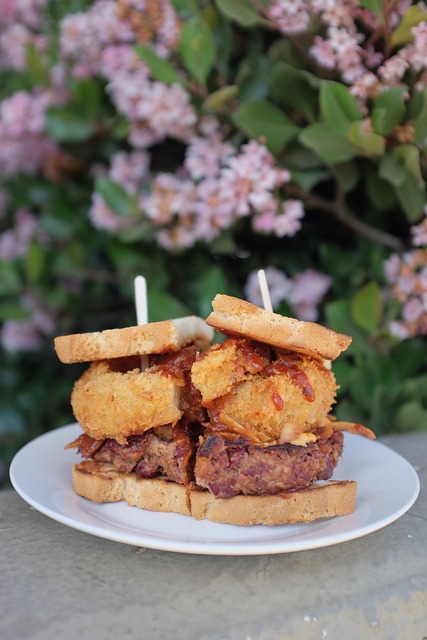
x=140, y=288
x=265, y=293
x=141, y=300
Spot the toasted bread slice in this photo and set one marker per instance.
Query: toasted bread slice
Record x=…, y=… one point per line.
x=151, y=338
x=326, y=500
x=100, y=482
x=233, y=316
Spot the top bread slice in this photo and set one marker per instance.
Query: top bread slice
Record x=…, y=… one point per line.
x=236, y=317
x=145, y=339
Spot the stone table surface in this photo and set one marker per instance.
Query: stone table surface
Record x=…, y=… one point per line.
x=58, y=582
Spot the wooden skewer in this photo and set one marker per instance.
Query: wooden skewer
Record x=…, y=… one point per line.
x=140, y=288
x=265, y=293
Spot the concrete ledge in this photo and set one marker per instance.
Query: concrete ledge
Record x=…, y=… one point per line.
x=60, y=583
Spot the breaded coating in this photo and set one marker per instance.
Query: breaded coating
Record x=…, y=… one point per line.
x=289, y=394
x=218, y=369
x=110, y=403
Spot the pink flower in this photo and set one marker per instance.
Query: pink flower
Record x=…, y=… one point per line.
x=393, y=70
x=19, y=335
x=399, y=330
x=14, y=43
x=14, y=242
x=205, y=155
x=168, y=111
x=416, y=53
x=24, y=147
x=323, y=52
x=303, y=292
x=212, y=210
x=309, y=288
x=102, y=217
x=171, y=198
x=289, y=222
x=290, y=16
x=419, y=232
x=85, y=34
x=27, y=335
x=129, y=169
x=249, y=180
x=364, y=87
x=392, y=267
x=28, y=12
x=413, y=309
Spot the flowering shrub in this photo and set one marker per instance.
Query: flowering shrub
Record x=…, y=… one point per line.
x=196, y=142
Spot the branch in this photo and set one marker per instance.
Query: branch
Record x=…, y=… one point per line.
x=343, y=213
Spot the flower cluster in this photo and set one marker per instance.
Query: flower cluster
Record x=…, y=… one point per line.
x=186, y=135
x=407, y=275
x=24, y=145
x=28, y=334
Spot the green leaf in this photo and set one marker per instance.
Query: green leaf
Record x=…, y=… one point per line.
x=402, y=168
x=378, y=190
x=412, y=16
x=224, y=244
x=10, y=282
x=217, y=100
x=410, y=357
x=13, y=311
x=346, y=175
x=185, y=8
x=139, y=231
x=309, y=179
x=367, y=307
x=411, y=416
x=337, y=106
x=412, y=199
x=295, y=88
x=338, y=317
x=65, y=126
x=410, y=157
x=241, y=11
x=225, y=42
x=163, y=306
x=369, y=144
x=35, y=261
x=161, y=69
x=116, y=198
x=376, y=6
x=86, y=97
x=36, y=66
x=392, y=169
x=198, y=48
x=389, y=110
x=329, y=145
x=417, y=111
x=254, y=77
x=259, y=118
x=212, y=281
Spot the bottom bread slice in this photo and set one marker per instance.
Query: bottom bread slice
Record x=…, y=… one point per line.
x=101, y=482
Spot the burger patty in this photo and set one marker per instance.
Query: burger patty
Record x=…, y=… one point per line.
x=224, y=466
x=165, y=452
x=228, y=468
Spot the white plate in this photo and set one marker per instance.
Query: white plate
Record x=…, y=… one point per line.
x=387, y=487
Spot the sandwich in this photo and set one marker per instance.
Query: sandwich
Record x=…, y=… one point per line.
x=238, y=432
x=137, y=409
